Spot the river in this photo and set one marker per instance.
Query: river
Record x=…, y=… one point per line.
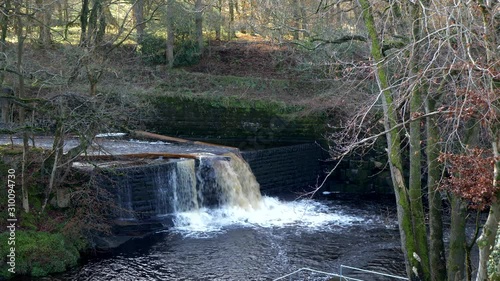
x=237, y=244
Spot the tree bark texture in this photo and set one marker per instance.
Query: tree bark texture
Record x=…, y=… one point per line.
x=415, y=182
x=458, y=242
x=437, y=260
x=413, y=263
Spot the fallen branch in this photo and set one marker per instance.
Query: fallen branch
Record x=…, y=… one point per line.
x=151, y=155
x=145, y=134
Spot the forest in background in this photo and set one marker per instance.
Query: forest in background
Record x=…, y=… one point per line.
x=422, y=74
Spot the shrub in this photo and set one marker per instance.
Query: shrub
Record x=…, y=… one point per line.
x=153, y=49
x=186, y=51
x=38, y=253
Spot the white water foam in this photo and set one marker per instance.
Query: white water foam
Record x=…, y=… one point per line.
x=307, y=214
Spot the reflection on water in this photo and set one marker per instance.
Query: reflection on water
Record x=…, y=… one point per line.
x=232, y=244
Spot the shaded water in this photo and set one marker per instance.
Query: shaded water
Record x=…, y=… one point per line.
x=235, y=244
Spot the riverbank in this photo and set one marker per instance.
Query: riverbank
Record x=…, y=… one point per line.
x=43, y=239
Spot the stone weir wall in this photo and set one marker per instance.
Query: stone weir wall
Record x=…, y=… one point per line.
x=291, y=170
x=230, y=121
x=136, y=189
x=295, y=168
x=300, y=168
x=144, y=192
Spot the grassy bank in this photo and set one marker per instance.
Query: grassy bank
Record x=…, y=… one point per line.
x=36, y=253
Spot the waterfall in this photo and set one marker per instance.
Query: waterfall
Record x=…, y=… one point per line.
x=186, y=195
x=166, y=187
x=124, y=194
x=165, y=183
x=237, y=182
x=175, y=187
x=227, y=180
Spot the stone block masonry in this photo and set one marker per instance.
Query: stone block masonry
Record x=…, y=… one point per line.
x=296, y=168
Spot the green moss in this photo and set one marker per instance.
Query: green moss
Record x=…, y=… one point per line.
x=38, y=253
x=8, y=149
x=227, y=117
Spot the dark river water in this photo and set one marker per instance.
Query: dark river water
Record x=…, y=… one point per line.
x=236, y=244
x=264, y=243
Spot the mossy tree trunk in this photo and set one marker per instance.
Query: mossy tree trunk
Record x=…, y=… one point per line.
x=436, y=244
x=218, y=25
x=53, y=161
x=230, y=33
x=44, y=18
x=97, y=23
x=490, y=228
x=458, y=242
x=296, y=19
x=416, y=109
x=139, y=20
x=416, y=269
x=4, y=23
x=84, y=14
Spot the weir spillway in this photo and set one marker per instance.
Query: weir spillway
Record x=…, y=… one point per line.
x=168, y=186
x=156, y=187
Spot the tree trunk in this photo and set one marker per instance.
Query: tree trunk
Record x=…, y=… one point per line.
x=230, y=31
x=199, y=24
x=486, y=241
x=44, y=36
x=219, y=21
x=139, y=20
x=101, y=29
x=296, y=19
x=170, y=33
x=66, y=11
x=97, y=23
x=303, y=15
x=84, y=17
x=414, y=267
x=57, y=149
x=4, y=22
x=490, y=227
x=458, y=243
x=22, y=111
x=437, y=260
x=415, y=182
x=415, y=186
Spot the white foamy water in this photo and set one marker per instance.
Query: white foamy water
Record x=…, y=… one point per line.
x=271, y=212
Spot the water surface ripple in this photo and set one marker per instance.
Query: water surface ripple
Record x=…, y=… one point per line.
x=227, y=244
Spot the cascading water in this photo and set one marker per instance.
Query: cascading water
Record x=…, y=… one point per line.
x=125, y=208
x=186, y=195
x=227, y=181
x=223, y=229
x=175, y=187
x=165, y=182
x=229, y=195
x=213, y=192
